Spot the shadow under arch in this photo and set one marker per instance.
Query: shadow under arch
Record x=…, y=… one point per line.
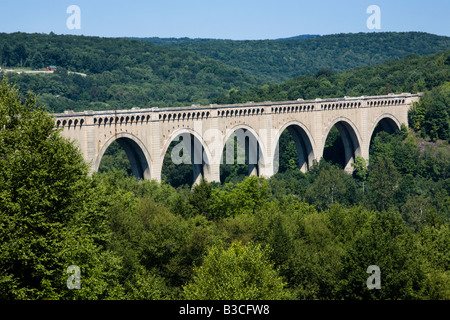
x=351, y=140
x=251, y=144
x=136, y=151
x=385, y=122
x=304, y=144
x=195, y=152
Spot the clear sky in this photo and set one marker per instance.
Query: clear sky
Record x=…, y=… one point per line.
x=224, y=19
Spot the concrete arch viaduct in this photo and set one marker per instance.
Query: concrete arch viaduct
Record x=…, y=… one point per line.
x=145, y=134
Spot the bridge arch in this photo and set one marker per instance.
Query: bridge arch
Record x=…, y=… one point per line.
x=199, y=152
x=351, y=139
x=254, y=148
x=136, y=151
x=388, y=123
x=304, y=143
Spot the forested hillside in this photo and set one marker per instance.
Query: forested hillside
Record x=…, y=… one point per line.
x=125, y=73
x=294, y=236
x=280, y=60
x=121, y=73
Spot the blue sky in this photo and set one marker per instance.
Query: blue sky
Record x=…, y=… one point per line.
x=231, y=19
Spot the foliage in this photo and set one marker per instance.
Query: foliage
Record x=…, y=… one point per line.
x=243, y=198
x=331, y=186
x=431, y=116
x=296, y=235
x=410, y=74
x=383, y=179
x=241, y=272
x=388, y=245
x=360, y=170
x=288, y=157
x=51, y=214
x=279, y=60
x=121, y=73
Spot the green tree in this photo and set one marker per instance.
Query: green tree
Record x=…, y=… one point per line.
x=245, y=197
x=288, y=157
x=418, y=212
x=312, y=269
x=331, y=185
x=200, y=198
x=51, y=212
x=431, y=116
x=361, y=171
x=383, y=180
x=435, y=241
x=241, y=272
x=386, y=243
x=36, y=61
x=20, y=53
x=6, y=54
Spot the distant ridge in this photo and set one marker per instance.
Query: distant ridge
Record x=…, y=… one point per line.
x=174, y=41
x=301, y=36
x=282, y=59
x=412, y=74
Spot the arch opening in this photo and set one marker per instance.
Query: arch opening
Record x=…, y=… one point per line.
x=386, y=125
x=293, y=150
x=185, y=161
x=241, y=156
x=342, y=146
x=124, y=154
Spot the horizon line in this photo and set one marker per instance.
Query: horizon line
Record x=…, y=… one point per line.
x=309, y=35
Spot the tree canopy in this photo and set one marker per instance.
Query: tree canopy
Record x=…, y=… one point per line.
x=51, y=214
x=120, y=73
x=279, y=60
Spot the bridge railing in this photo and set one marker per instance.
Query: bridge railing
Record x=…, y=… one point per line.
x=70, y=119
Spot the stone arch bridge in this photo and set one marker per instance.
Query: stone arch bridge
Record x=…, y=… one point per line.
x=145, y=134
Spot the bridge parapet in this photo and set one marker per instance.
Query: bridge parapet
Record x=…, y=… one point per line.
x=198, y=112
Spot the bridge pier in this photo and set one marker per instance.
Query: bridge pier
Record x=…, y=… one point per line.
x=197, y=174
x=211, y=172
x=155, y=148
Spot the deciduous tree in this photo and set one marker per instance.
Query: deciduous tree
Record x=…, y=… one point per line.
x=241, y=272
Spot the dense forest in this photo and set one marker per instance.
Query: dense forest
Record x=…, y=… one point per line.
x=121, y=73
x=126, y=73
x=294, y=236
x=280, y=60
